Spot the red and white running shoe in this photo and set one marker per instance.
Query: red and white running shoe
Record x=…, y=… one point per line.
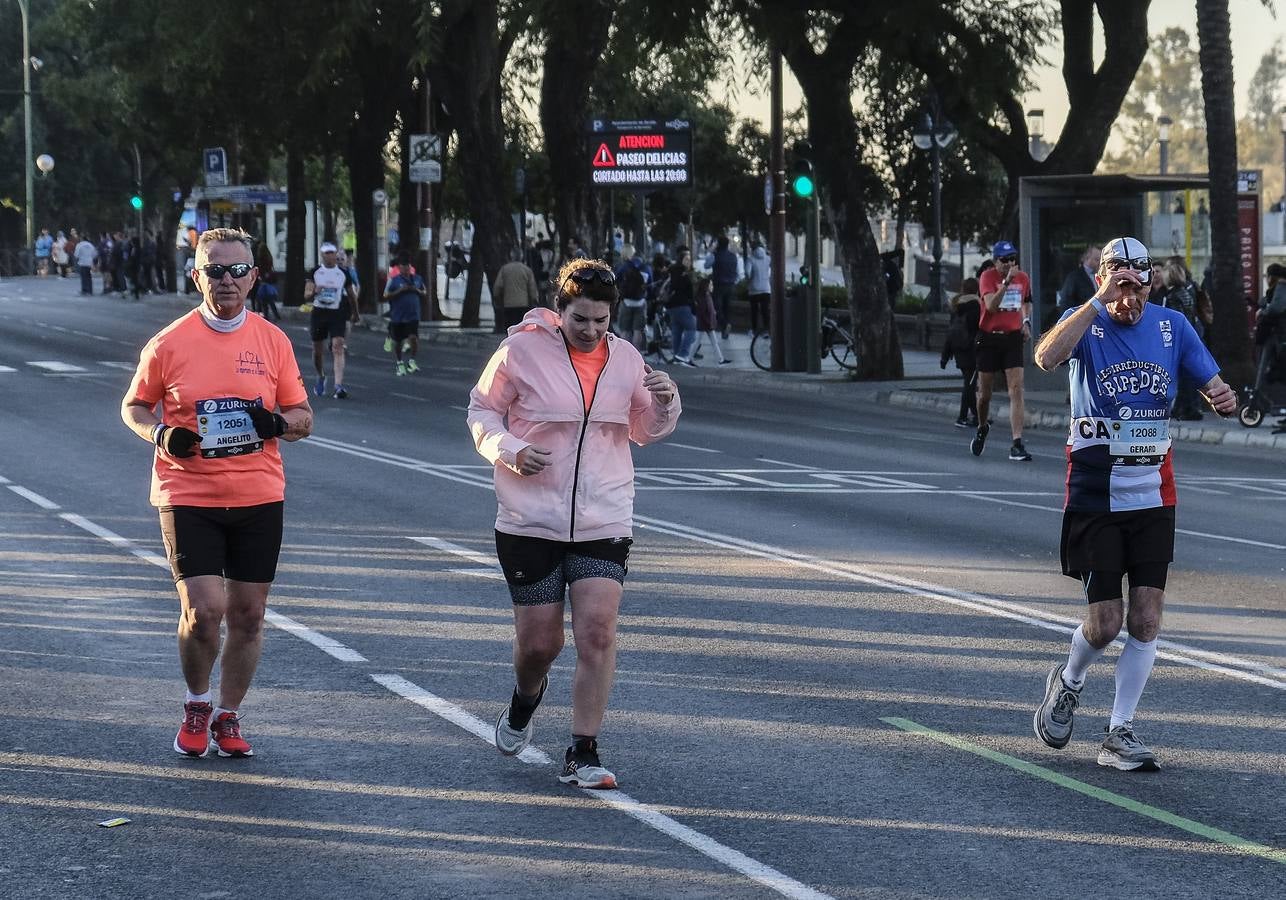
x=193, y=738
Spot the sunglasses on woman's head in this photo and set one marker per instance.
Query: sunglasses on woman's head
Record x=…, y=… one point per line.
x=215, y=271
x=587, y=274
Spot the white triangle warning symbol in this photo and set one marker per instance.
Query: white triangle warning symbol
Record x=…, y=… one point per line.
x=603, y=158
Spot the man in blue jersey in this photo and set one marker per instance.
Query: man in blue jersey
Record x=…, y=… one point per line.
x=1125, y=357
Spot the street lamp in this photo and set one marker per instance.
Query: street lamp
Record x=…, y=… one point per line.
x=1163, y=142
x=1036, y=134
x=935, y=134
x=45, y=163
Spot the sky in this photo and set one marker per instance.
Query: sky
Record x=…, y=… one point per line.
x=1253, y=31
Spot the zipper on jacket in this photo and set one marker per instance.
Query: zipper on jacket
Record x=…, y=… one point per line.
x=584, y=426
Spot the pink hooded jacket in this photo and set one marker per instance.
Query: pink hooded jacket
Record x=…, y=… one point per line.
x=529, y=394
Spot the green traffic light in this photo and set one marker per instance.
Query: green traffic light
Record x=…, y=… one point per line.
x=136, y=201
x=803, y=186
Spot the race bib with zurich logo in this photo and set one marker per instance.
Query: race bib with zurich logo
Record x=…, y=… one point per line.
x=226, y=428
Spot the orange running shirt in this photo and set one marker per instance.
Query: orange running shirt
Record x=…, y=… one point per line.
x=588, y=367
x=197, y=375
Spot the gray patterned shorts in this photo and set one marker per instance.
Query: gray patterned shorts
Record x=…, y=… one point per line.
x=538, y=571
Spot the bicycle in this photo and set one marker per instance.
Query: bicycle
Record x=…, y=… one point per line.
x=657, y=337
x=834, y=339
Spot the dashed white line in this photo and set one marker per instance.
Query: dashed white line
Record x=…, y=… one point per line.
x=54, y=365
x=4, y=369
x=43, y=502
x=619, y=800
x=472, y=556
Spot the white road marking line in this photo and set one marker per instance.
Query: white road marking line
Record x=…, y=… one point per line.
x=1203, y=490
x=781, y=462
x=461, y=408
x=472, y=556
x=480, y=573
x=303, y=632
x=53, y=365
x=1190, y=533
x=991, y=605
x=411, y=397
x=112, y=364
x=316, y=638
x=43, y=502
x=688, y=447
x=4, y=480
x=4, y=369
x=703, y=844
x=994, y=606
x=99, y=337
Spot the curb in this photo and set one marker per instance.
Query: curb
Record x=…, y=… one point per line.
x=1045, y=418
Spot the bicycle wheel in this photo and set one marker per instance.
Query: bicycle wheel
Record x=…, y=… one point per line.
x=761, y=351
x=844, y=349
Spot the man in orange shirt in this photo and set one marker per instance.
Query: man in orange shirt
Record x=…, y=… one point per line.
x=217, y=376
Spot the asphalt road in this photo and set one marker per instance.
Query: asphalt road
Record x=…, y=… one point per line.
x=836, y=626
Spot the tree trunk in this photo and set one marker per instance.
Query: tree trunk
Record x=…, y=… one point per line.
x=365, y=175
x=832, y=129
x=576, y=40
x=1229, y=339
x=328, y=197
x=467, y=76
x=292, y=292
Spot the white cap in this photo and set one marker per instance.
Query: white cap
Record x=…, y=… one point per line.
x=328, y=247
x=1127, y=248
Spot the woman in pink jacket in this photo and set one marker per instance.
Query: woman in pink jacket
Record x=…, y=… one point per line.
x=554, y=412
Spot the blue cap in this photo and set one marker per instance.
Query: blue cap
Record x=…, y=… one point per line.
x=1003, y=248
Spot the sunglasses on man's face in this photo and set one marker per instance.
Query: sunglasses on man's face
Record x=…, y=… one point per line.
x=216, y=272
x=1008, y=259
x=1141, y=267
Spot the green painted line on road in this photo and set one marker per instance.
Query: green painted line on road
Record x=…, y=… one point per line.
x=1226, y=838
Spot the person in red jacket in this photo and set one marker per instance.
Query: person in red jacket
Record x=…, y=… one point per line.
x=554, y=411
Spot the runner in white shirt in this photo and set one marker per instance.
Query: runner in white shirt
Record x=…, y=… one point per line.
x=334, y=298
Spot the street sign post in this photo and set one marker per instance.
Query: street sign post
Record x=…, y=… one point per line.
x=426, y=155
x=216, y=167
x=643, y=154
x=1248, y=236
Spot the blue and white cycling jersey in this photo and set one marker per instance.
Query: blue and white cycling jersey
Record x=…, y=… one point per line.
x=1123, y=382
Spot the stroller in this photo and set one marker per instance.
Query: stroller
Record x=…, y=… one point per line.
x=1267, y=396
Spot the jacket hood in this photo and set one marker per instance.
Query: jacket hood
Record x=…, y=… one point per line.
x=759, y=253
x=539, y=318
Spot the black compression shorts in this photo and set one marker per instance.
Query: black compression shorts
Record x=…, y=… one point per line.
x=400, y=331
x=241, y=543
x=539, y=570
x=325, y=324
x=996, y=352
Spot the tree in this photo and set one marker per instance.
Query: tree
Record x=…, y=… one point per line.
x=1264, y=95
x=1228, y=338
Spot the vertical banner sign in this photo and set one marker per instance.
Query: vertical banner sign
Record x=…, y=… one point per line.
x=1250, y=249
x=643, y=154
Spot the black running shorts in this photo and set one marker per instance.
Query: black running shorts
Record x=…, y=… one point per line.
x=400, y=331
x=539, y=570
x=999, y=351
x=328, y=323
x=241, y=542
x=1116, y=541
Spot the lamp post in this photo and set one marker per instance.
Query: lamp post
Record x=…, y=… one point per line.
x=1283, y=194
x=26, y=122
x=935, y=134
x=1163, y=142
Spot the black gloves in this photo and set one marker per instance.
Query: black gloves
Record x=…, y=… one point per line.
x=267, y=424
x=176, y=441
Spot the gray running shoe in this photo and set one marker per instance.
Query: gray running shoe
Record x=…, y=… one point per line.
x=584, y=769
x=1053, y=719
x=979, y=440
x=511, y=741
x=1123, y=750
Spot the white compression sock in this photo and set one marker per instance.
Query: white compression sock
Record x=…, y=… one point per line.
x=196, y=698
x=1079, y=658
x=1132, y=671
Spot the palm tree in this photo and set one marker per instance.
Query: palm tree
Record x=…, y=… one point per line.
x=1229, y=340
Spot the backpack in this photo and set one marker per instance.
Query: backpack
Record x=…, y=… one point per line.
x=632, y=285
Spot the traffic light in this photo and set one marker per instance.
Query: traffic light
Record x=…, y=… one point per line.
x=801, y=176
x=803, y=275
x=136, y=201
